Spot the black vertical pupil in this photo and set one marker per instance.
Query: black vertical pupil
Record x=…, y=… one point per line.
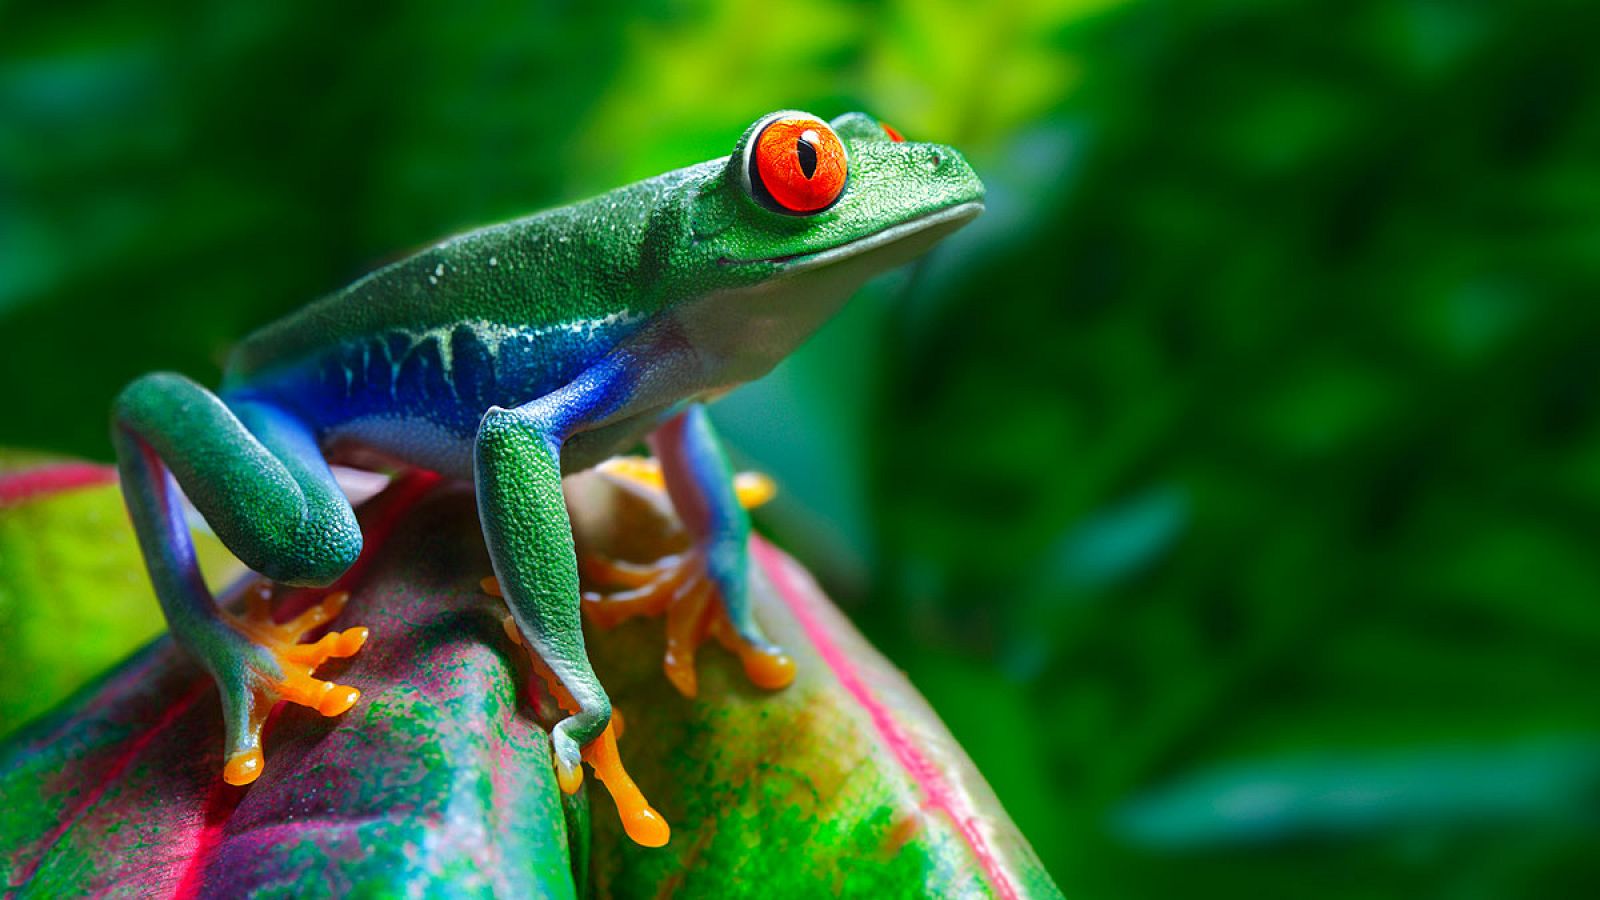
x=808, y=156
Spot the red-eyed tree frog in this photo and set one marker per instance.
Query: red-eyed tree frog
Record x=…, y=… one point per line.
x=509, y=356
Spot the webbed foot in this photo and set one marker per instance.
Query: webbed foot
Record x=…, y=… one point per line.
x=273, y=665
x=680, y=588
x=639, y=819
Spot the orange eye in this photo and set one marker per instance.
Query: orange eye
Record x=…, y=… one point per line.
x=893, y=135
x=797, y=165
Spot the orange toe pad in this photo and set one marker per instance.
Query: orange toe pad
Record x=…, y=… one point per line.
x=679, y=588
x=244, y=768
x=642, y=823
x=298, y=662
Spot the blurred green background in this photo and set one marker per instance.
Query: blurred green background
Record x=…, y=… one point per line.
x=1231, y=488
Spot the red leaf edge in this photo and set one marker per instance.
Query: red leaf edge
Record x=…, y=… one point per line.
x=56, y=478
x=941, y=795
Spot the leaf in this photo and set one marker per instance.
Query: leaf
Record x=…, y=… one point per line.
x=845, y=781
x=434, y=780
x=65, y=545
x=440, y=780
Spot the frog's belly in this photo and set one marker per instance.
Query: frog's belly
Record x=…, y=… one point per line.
x=405, y=441
x=429, y=445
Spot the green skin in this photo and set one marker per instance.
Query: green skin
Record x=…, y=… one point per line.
x=510, y=356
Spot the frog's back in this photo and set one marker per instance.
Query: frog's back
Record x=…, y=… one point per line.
x=561, y=266
x=496, y=316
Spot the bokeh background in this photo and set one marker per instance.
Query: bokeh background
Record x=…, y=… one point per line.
x=1231, y=488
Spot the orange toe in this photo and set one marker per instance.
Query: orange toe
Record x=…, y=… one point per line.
x=351, y=640
x=569, y=779
x=639, y=819
x=767, y=667
x=338, y=699
x=642, y=823
x=244, y=768
x=768, y=670
x=298, y=663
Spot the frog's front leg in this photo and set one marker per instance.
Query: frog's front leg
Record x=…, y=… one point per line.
x=517, y=471
x=703, y=592
x=257, y=476
x=525, y=525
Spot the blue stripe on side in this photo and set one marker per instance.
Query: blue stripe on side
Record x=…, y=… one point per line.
x=448, y=376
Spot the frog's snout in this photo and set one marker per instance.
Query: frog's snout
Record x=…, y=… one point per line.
x=934, y=158
x=948, y=166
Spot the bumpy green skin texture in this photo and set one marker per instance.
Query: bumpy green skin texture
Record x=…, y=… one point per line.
x=511, y=355
x=440, y=785
x=640, y=250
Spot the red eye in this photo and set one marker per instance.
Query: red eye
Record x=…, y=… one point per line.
x=893, y=135
x=798, y=164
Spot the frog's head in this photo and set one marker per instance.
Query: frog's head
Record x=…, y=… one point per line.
x=784, y=230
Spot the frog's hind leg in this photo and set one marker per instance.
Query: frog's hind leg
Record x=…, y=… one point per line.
x=257, y=476
x=703, y=592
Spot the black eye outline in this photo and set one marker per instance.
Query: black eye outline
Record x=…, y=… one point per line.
x=750, y=174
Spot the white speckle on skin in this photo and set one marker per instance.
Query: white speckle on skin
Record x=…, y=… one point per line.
x=494, y=261
x=438, y=270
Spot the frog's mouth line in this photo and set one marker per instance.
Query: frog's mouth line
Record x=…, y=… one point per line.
x=954, y=216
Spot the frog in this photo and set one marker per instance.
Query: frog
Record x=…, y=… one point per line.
x=509, y=357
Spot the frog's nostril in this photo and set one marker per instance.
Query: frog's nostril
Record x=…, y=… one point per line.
x=938, y=159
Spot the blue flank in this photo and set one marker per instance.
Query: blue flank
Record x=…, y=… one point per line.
x=447, y=377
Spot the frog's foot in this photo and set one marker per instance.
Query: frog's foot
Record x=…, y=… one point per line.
x=642, y=823
x=292, y=678
x=681, y=588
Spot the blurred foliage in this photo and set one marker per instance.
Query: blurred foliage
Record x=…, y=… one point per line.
x=1248, y=444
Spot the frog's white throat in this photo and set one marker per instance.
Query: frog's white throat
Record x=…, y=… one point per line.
x=743, y=332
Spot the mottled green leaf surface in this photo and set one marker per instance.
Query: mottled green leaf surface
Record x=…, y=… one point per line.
x=433, y=783
x=439, y=781
x=73, y=594
x=843, y=782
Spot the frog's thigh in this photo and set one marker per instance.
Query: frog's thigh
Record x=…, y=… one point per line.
x=256, y=477
x=326, y=538
x=253, y=471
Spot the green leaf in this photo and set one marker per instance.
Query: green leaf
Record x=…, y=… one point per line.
x=73, y=594
x=440, y=780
